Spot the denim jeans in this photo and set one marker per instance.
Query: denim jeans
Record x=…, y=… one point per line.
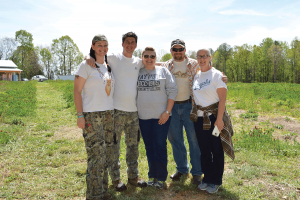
x=155, y=139
x=212, y=155
x=180, y=119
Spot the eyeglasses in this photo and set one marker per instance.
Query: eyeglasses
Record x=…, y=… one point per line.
x=178, y=49
x=151, y=56
x=205, y=56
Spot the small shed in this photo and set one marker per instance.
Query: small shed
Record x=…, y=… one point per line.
x=8, y=71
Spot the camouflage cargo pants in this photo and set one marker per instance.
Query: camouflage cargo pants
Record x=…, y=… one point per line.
x=100, y=142
x=129, y=123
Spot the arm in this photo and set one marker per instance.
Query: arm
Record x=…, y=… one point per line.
x=224, y=78
x=222, y=93
x=78, y=85
x=165, y=116
x=90, y=61
x=171, y=90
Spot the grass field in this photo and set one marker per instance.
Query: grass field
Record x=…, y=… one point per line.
x=42, y=153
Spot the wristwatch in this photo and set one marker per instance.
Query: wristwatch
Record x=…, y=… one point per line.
x=79, y=113
x=167, y=112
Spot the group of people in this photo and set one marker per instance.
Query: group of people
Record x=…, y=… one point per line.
x=119, y=92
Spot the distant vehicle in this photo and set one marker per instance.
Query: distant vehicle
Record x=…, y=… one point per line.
x=39, y=78
x=24, y=79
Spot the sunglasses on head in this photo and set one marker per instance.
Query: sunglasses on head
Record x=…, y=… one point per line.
x=177, y=49
x=151, y=56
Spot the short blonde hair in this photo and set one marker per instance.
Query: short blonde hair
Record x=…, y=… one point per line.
x=148, y=49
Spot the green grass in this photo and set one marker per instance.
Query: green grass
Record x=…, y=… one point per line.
x=280, y=98
x=42, y=153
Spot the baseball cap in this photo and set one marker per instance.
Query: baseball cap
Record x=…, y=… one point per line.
x=178, y=42
x=99, y=37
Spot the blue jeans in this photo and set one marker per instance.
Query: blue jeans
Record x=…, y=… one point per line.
x=212, y=155
x=155, y=139
x=180, y=118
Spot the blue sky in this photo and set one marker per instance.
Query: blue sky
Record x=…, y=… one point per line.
x=201, y=24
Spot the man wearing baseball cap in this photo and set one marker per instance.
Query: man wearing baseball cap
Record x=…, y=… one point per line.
x=184, y=70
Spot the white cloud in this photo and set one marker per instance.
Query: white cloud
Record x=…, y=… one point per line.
x=254, y=35
x=241, y=12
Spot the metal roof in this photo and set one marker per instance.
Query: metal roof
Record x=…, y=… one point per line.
x=7, y=64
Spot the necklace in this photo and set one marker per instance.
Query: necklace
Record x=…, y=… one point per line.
x=101, y=74
x=107, y=81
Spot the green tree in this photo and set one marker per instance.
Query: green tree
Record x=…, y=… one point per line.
x=192, y=54
x=166, y=57
x=276, y=55
x=294, y=56
x=225, y=52
x=25, y=45
x=7, y=47
x=67, y=54
x=138, y=53
x=266, y=60
x=46, y=58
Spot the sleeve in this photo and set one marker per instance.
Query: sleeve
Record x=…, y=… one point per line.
x=82, y=70
x=171, y=87
x=218, y=80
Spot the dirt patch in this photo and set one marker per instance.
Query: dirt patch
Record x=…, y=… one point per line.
x=68, y=133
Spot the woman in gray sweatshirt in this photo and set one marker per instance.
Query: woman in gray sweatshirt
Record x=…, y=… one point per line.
x=156, y=94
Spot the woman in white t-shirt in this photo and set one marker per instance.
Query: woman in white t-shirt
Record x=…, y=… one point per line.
x=93, y=96
x=209, y=94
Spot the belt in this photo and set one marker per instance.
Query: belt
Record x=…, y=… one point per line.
x=181, y=102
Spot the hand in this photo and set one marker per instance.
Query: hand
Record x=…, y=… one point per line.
x=219, y=124
x=163, y=118
x=224, y=78
x=81, y=122
x=90, y=61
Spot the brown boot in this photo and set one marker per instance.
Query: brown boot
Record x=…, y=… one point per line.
x=119, y=185
x=106, y=196
x=137, y=182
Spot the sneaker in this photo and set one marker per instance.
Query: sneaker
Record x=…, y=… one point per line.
x=119, y=185
x=176, y=176
x=202, y=186
x=137, y=182
x=151, y=181
x=159, y=184
x=212, y=188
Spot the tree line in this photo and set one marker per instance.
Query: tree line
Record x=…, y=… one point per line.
x=59, y=58
x=270, y=61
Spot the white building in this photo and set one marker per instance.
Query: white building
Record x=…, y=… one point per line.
x=7, y=69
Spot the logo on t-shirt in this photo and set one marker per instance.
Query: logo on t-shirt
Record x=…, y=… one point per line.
x=148, y=82
x=201, y=85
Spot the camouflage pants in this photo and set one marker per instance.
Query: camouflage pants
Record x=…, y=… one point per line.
x=100, y=142
x=129, y=123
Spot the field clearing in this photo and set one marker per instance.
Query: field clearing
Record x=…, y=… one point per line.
x=42, y=153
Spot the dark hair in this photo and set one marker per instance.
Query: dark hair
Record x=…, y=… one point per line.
x=148, y=49
x=92, y=54
x=129, y=34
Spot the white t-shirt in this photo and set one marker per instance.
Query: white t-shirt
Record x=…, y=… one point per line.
x=182, y=80
x=98, y=89
x=205, y=87
x=125, y=72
